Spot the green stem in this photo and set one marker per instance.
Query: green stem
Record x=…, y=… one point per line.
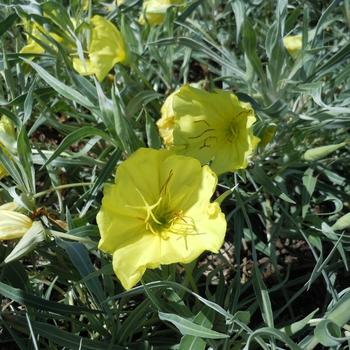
x=62, y=187
x=71, y=237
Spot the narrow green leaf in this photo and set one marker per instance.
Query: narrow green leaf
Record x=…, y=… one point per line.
x=76, y=136
x=262, y=296
x=153, y=139
x=61, y=88
x=299, y=325
x=63, y=338
x=203, y=318
x=7, y=23
x=79, y=256
x=187, y=327
x=21, y=297
x=342, y=223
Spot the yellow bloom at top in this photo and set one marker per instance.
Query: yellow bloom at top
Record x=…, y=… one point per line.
x=159, y=212
x=293, y=44
x=154, y=11
x=214, y=127
x=106, y=48
x=12, y=223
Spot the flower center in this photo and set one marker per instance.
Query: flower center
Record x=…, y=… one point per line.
x=163, y=221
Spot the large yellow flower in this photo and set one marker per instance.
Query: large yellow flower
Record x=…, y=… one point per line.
x=106, y=48
x=213, y=127
x=12, y=223
x=159, y=212
x=7, y=140
x=154, y=11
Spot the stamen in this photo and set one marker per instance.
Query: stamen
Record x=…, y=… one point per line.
x=201, y=134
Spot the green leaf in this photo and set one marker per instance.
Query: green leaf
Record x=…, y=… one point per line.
x=187, y=327
x=261, y=178
x=309, y=182
x=63, y=338
x=77, y=136
x=249, y=46
x=61, y=88
x=7, y=23
x=124, y=129
x=153, y=139
x=23, y=298
x=328, y=334
x=79, y=256
x=203, y=318
x=263, y=297
x=342, y=223
x=271, y=333
x=25, y=157
x=299, y=325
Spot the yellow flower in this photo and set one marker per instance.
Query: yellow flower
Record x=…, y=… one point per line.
x=293, y=44
x=7, y=140
x=106, y=49
x=12, y=223
x=154, y=11
x=213, y=127
x=37, y=31
x=159, y=212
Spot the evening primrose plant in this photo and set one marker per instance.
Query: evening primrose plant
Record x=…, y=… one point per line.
x=185, y=186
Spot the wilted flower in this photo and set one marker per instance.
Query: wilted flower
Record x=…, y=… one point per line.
x=154, y=11
x=12, y=223
x=37, y=32
x=159, y=212
x=293, y=44
x=213, y=127
x=106, y=47
x=105, y=50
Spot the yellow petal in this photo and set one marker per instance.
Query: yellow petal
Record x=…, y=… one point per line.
x=106, y=47
x=116, y=219
x=13, y=224
x=83, y=68
x=131, y=261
